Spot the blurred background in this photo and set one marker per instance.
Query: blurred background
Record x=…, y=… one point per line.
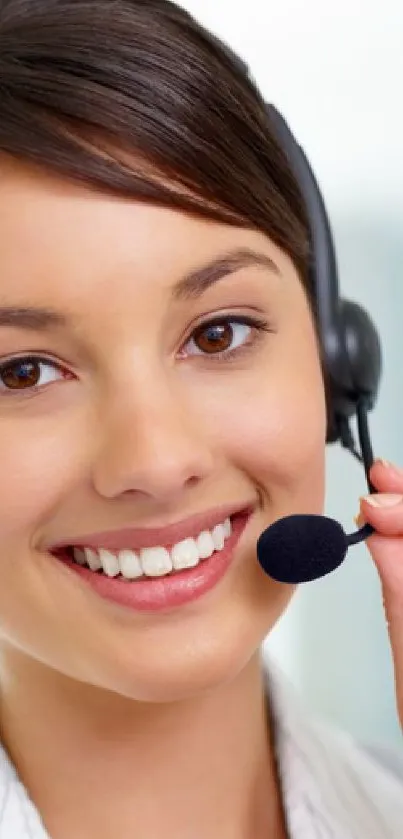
x=335, y=71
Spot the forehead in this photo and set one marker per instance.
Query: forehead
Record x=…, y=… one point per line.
x=62, y=229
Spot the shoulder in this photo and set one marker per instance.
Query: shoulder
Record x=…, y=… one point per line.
x=327, y=778
x=390, y=759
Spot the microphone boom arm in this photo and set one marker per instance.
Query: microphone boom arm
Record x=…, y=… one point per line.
x=367, y=458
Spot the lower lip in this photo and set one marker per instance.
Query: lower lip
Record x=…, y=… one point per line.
x=155, y=594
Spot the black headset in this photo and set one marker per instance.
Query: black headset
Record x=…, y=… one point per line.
x=351, y=348
x=349, y=340
x=350, y=344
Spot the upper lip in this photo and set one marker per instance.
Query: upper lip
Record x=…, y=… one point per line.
x=135, y=538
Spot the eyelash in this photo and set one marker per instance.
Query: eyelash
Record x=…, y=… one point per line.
x=258, y=325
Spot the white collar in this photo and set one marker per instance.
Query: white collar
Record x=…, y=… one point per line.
x=332, y=789
x=329, y=782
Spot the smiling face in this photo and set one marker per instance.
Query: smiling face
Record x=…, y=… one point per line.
x=135, y=416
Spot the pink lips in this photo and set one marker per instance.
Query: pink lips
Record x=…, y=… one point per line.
x=168, y=592
x=136, y=538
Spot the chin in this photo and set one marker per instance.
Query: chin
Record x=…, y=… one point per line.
x=180, y=686
x=194, y=667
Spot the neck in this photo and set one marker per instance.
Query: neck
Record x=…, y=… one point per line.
x=91, y=759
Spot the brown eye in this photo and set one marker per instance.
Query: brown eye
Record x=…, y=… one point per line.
x=27, y=373
x=21, y=374
x=227, y=337
x=214, y=337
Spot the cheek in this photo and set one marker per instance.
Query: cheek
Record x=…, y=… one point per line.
x=275, y=434
x=37, y=457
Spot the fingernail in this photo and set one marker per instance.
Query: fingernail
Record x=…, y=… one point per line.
x=384, y=499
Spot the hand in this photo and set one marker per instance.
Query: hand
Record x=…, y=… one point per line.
x=385, y=512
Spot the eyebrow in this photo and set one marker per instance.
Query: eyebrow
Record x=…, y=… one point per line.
x=190, y=287
x=198, y=281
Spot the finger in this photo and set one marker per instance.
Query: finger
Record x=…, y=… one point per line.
x=386, y=477
x=387, y=554
x=386, y=548
x=385, y=512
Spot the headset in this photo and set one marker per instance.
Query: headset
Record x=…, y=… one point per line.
x=349, y=340
x=350, y=343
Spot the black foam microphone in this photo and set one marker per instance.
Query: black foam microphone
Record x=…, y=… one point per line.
x=301, y=548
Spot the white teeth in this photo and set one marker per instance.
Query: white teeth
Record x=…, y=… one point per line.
x=218, y=534
x=185, y=555
x=156, y=562
x=227, y=528
x=110, y=563
x=79, y=556
x=205, y=544
x=130, y=565
x=93, y=559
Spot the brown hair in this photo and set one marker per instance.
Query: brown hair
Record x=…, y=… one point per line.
x=134, y=97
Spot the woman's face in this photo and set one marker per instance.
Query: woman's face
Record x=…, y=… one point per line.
x=135, y=417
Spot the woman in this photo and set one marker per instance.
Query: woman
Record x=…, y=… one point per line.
x=157, y=342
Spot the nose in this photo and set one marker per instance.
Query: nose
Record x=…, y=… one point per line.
x=151, y=444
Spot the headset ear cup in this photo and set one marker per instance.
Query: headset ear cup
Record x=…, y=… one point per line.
x=363, y=350
x=354, y=371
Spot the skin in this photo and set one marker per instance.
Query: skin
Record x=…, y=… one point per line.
x=138, y=430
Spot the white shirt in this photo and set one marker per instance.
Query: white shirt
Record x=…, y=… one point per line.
x=332, y=788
